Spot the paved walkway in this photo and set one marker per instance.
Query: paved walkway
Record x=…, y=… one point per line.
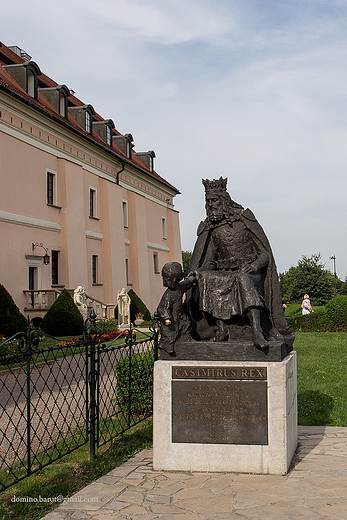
x=315, y=488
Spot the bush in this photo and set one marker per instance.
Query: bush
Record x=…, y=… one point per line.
x=63, y=318
x=11, y=319
x=137, y=306
x=107, y=324
x=141, y=383
x=337, y=313
x=317, y=321
x=293, y=309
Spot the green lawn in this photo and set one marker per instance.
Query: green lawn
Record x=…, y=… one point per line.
x=322, y=378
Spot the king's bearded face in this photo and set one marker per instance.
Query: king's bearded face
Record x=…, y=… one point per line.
x=214, y=207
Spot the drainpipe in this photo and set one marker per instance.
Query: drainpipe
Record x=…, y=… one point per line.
x=120, y=171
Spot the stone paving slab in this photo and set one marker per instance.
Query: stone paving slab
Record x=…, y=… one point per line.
x=314, y=489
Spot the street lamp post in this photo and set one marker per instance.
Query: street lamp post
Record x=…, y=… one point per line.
x=333, y=258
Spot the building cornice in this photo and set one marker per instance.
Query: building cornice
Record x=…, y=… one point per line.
x=22, y=220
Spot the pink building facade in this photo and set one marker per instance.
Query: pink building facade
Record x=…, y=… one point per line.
x=72, y=187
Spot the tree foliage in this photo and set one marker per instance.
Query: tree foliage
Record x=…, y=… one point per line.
x=137, y=306
x=63, y=318
x=311, y=277
x=186, y=258
x=11, y=319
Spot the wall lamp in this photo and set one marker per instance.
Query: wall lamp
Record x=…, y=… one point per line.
x=46, y=257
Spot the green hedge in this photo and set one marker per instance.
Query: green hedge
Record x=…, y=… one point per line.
x=337, y=312
x=141, y=384
x=11, y=319
x=63, y=318
x=137, y=306
x=331, y=318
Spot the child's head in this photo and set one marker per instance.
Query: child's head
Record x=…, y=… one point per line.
x=172, y=274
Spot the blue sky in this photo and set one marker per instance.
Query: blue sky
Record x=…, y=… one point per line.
x=253, y=91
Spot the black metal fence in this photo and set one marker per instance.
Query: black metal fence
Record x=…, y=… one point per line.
x=54, y=400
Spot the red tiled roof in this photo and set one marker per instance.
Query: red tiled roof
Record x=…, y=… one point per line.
x=7, y=56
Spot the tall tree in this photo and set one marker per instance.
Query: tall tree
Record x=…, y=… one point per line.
x=311, y=277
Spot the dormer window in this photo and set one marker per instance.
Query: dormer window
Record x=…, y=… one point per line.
x=147, y=158
x=88, y=126
x=31, y=84
x=26, y=75
x=125, y=143
x=84, y=116
x=105, y=130
x=128, y=148
x=57, y=97
x=151, y=163
x=62, y=103
x=108, y=135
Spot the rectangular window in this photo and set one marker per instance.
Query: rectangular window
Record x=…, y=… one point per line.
x=55, y=267
x=163, y=227
x=88, y=122
x=92, y=202
x=128, y=148
x=127, y=270
x=62, y=104
x=125, y=213
x=109, y=135
x=95, y=268
x=32, y=278
x=51, y=188
x=155, y=262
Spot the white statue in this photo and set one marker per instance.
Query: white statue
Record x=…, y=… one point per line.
x=79, y=299
x=123, y=300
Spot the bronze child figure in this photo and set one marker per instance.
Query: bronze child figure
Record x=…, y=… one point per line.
x=174, y=324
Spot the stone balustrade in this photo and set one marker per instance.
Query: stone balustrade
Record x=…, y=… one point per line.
x=39, y=301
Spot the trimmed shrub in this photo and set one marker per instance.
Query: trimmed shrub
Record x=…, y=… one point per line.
x=136, y=306
x=11, y=319
x=141, y=384
x=63, y=318
x=317, y=321
x=337, y=312
x=293, y=309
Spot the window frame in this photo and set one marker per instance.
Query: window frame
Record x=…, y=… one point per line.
x=156, y=262
x=163, y=228
x=63, y=103
x=51, y=187
x=88, y=121
x=95, y=269
x=125, y=214
x=109, y=134
x=55, y=267
x=93, y=202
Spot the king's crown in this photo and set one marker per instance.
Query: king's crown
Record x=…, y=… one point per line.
x=218, y=186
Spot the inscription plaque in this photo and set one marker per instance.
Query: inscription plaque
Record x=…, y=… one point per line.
x=224, y=405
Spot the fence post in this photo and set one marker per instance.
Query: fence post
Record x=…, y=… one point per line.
x=155, y=332
x=92, y=385
x=28, y=396
x=130, y=342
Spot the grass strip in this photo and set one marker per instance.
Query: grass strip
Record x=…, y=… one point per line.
x=322, y=378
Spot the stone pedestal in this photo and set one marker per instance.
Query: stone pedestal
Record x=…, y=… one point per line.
x=225, y=416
